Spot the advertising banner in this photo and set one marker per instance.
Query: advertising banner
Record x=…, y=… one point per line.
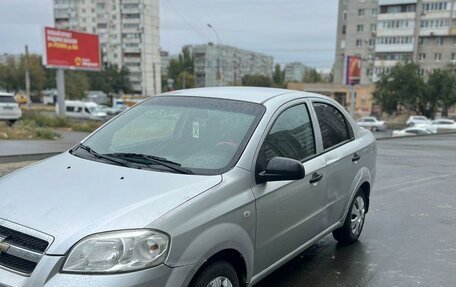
x=353, y=73
x=71, y=50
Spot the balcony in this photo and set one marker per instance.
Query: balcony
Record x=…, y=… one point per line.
x=386, y=48
x=395, y=2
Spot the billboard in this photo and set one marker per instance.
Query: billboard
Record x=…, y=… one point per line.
x=353, y=74
x=71, y=50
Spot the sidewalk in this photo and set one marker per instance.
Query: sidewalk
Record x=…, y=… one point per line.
x=15, y=147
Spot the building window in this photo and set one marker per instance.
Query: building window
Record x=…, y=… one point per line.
x=374, y=12
x=344, y=29
x=371, y=42
x=422, y=57
x=438, y=57
x=361, y=12
x=360, y=28
x=421, y=41
x=439, y=41
x=359, y=43
x=373, y=27
x=453, y=57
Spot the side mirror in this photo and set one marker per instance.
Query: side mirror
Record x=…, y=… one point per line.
x=280, y=169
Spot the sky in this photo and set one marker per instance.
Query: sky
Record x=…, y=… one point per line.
x=288, y=30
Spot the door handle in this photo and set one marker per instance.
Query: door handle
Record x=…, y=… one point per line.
x=316, y=177
x=356, y=157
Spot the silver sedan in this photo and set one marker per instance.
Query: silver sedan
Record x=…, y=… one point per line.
x=203, y=187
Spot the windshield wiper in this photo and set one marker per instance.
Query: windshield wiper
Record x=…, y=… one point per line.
x=151, y=159
x=101, y=156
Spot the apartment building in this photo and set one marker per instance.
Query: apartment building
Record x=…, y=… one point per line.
x=423, y=31
x=128, y=32
x=294, y=72
x=222, y=65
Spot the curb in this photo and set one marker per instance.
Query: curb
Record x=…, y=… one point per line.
x=26, y=157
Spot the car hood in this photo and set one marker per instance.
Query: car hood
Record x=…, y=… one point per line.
x=69, y=197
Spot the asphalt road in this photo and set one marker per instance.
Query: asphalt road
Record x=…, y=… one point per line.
x=410, y=234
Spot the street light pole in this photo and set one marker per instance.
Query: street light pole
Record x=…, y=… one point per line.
x=219, y=74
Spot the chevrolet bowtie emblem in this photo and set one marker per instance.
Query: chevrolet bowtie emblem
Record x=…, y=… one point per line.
x=3, y=246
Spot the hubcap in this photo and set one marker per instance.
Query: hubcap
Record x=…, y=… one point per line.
x=357, y=216
x=220, y=282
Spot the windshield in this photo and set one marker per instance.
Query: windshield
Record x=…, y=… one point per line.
x=204, y=135
x=7, y=99
x=95, y=110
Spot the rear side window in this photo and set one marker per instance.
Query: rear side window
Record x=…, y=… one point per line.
x=7, y=99
x=291, y=136
x=333, y=125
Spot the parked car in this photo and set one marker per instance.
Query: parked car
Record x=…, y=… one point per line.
x=83, y=110
x=203, y=187
x=418, y=120
x=9, y=108
x=443, y=125
x=371, y=123
x=412, y=131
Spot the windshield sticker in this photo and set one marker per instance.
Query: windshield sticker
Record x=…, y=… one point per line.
x=196, y=130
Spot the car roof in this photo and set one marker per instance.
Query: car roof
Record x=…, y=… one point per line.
x=248, y=94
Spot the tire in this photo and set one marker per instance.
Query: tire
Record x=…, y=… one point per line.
x=220, y=273
x=10, y=123
x=374, y=129
x=350, y=231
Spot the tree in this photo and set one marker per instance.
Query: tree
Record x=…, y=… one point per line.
x=404, y=86
x=110, y=80
x=256, y=81
x=278, y=76
x=76, y=85
x=442, y=86
x=311, y=76
x=182, y=68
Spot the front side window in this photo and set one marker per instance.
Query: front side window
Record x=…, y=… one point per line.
x=291, y=136
x=204, y=135
x=334, y=126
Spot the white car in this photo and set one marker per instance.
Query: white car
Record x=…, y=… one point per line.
x=443, y=124
x=371, y=123
x=9, y=108
x=418, y=120
x=83, y=110
x=412, y=131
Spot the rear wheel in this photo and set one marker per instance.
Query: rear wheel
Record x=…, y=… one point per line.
x=354, y=222
x=217, y=274
x=10, y=123
x=374, y=129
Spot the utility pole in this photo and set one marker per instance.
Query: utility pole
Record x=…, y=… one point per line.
x=27, y=77
x=61, y=92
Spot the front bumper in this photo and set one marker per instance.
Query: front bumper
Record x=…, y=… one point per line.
x=47, y=274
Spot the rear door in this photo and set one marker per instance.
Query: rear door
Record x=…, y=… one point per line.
x=341, y=156
x=289, y=213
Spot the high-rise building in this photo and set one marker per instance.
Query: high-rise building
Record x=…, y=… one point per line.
x=386, y=32
x=128, y=31
x=222, y=65
x=294, y=72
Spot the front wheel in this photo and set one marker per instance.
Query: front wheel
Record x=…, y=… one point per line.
x=217, y=274
x=354, y=222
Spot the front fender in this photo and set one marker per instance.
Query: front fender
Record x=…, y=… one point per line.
x=221, y=237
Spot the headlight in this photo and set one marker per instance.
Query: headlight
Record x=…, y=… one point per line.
x=117, y=251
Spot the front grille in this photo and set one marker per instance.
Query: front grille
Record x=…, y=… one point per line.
x=17, y=264
x=24, y=249
x=23, y=240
